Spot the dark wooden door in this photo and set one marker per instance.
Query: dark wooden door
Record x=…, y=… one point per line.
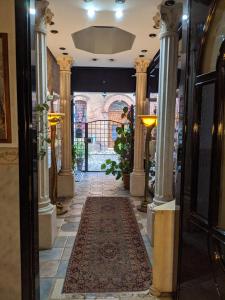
x=201, y=273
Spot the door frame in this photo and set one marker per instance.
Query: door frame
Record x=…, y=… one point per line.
x=24, y=23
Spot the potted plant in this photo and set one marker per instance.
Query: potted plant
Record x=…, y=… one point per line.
x=124, y=148
x=78, y=151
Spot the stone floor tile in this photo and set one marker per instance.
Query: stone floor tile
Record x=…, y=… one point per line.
x=72, y=219
x=49, y=268
x=53, y=254
x=57, y=290
x=61, y=273
x=70, y=241
x=46, y=286
x=67, y=233
x=66, y=253
x=71, y=227
x=60, y=242
x=90, y=296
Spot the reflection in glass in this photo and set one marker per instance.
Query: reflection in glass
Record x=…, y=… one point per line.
x=205, y=148
x=214, y=38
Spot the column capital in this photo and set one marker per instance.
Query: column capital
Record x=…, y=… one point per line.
x=141, y=65
x=43, y=15
x=170, y=18
x=64, y=62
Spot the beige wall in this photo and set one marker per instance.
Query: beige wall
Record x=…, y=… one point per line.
x=10, y=279
x=97, y=105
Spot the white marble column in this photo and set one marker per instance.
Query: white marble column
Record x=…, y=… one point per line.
x=137, y=179
x=170, y=18
x=47, y=211
x=66, y=181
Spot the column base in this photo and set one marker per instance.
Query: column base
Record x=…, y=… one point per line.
x=155, y=292
x=137, y=184
x=47, y=228
x=66, y=185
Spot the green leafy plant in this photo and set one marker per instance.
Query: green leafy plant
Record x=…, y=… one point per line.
x=74, y=155
x=42, y=126
x=123, y=147
x=78, y=152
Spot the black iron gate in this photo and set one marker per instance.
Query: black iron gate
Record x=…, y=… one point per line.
x=94, y=143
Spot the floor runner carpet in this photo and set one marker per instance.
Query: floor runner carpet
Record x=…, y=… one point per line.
x=109, y=253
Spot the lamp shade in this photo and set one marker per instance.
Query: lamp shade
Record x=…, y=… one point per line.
x=55, y=118
x=148, y=120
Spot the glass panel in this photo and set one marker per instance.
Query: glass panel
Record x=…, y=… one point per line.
x=221, y=217
x=117, y=106
x=205, y=147
x=214, y=39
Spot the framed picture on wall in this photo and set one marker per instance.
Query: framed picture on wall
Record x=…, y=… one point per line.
x=5, y=120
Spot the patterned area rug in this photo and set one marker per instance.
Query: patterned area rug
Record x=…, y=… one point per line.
x=109, y=254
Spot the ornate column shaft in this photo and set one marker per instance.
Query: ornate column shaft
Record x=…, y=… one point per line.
x=170, y=17
x=137, y=180
x=66, y=177
x=47, y=211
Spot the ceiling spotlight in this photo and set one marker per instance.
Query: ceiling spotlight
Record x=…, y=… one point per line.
x=94, y=59
x=184, y=17
x=32, y=11
x=120, y=1
x=91, y=13
x=62, y=48
x=152, y=35
x=119, y=14
x=52, y=23
x=88, y=1
x=141, y=55
x=65, y=53
x=54, y=31
x=111, y=59
x=144, y=51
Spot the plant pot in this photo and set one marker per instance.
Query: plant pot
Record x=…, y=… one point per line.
x=80, y=164
x=126, y=181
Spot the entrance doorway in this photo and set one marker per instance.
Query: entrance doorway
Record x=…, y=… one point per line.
x=95, y=119
x=93, y=143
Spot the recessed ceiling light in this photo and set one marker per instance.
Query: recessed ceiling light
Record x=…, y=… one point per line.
x=111, y=59
x=65, y=53
x=156, y=27
x=88, y=1
x=141, y=55
x=119, y=14
x=91, y=13
x=184, y=17
x=152, y=35
x=120, y=1
x=54, y=31
x=144, y=51
x=62, y=48
x=52, y=23
x=32, y=11
x=169, y=2
x=94, y=59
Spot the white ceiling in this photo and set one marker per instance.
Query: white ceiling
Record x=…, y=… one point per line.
x=71, y=16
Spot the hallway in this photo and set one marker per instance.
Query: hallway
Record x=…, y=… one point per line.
x=53, y=263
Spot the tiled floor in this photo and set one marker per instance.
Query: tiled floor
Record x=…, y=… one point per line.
x=53, y=263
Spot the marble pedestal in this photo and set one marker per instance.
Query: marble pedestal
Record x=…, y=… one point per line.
x=66, y=186
x=165, y=250
x=137, y=184
x=150, y=222
x=47, y=228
